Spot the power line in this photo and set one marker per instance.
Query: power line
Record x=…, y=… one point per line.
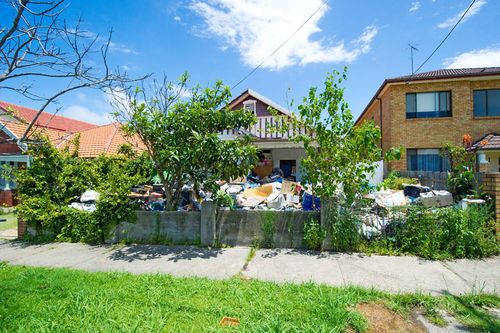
x=445, y=38
x=280, y=46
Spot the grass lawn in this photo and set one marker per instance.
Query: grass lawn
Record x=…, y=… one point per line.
x=10, y=223
x=63, y=300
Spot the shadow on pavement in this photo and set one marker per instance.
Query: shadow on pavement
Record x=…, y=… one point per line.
x=173, y=253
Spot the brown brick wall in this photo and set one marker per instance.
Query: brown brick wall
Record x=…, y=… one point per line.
x=8, y=147
x=436, y=132
x=7, y=198
x=491, y=185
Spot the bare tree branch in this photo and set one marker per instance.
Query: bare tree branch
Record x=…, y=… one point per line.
x=38, y=45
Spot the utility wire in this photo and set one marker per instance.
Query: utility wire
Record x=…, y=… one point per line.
x=280, y=46
x=445, y=38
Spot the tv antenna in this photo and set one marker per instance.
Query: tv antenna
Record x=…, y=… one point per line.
x=412, y=48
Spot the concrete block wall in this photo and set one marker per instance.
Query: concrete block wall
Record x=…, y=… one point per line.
x=277, y=229
x=160, y=227
x=217, y=227
x=491, y=185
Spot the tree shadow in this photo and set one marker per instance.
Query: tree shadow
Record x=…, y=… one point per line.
x=132, y=253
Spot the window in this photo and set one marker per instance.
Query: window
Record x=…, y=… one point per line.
x=426, y=160
x=250, y=105
x=487, y=103
x=428, y=105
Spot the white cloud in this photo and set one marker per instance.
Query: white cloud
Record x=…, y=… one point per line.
x=489, y=57
x=256, y=28
x=177, y=18
x=82, y=113
x=121, y=48
x=414, y=6
x=472, y=11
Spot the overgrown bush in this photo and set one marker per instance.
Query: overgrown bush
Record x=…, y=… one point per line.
x=313, y=234
x=344, y=226
x=57, y=178
x=447, y=232
x=394, y=181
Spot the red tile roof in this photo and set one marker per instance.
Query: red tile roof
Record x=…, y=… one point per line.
x=47, y=120
x=105, y=139
x=488, y=142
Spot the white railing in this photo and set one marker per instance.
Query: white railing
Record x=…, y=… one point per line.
x=269, y=127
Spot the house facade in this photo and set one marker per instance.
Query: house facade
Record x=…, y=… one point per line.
x=277, y=150
x=423, y=112
x=94, y=140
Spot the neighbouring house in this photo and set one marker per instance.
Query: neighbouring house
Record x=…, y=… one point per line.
x=277, y=150
x=423, y=112
x=14, y=119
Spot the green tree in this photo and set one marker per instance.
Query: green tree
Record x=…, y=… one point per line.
x=339, y=155
x=461, y=178
x=181, y=129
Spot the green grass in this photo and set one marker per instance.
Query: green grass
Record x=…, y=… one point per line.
x=10, y=223
x=63, y=300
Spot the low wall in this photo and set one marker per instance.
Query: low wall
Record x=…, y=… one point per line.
x=160, y=227
x=280, y=229
x=211, y=227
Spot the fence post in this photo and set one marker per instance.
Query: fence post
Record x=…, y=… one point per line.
x=208, y=224
x=491, y=184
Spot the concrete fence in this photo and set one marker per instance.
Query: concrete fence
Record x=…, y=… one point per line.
x=217, y=227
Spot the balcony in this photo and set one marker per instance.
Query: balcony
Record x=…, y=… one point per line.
x=265, y=129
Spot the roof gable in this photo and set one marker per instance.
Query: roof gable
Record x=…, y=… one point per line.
x=251, y=93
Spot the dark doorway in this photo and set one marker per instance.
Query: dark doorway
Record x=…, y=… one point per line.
x=288, y=167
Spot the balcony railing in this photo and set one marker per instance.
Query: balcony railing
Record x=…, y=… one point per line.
x=269, y=127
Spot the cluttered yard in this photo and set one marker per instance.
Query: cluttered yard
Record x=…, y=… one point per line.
x=39, y=299
x=186, y=163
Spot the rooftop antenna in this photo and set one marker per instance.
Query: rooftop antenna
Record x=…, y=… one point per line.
x=412, y=48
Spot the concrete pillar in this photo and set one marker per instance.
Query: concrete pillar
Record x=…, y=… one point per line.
x=208, y=224
x=327, y=204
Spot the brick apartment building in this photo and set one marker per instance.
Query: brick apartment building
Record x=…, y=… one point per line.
x=423, y=112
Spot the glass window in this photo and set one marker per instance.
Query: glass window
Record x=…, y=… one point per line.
x=487, y=103
x=428, y=105
x=426, y=160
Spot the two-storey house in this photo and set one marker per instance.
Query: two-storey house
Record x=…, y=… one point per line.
x=423, y=112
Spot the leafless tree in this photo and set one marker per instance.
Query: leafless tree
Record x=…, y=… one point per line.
x=37, y=44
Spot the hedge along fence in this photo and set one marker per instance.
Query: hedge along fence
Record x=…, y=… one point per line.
x=217, y=227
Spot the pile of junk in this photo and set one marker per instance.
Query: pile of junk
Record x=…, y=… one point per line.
x=273, y=193
x=377, y=217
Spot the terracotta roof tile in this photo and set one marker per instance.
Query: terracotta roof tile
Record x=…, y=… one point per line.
x=105, y=139
x=46, y=119
x=490, y=141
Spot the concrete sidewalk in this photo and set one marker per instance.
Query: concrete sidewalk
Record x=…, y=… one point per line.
x=395, y=274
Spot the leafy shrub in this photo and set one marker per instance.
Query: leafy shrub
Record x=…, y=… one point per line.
x=56, y=178
x=344, y=226
x=394, y=181
x=223, y=199
x=447, y=232
x=313, y=234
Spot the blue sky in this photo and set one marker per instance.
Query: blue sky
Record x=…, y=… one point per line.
x=225, y=39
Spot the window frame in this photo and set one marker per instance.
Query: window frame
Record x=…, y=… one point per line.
x=429, y=114
x=250, y=103
x=444, y=167
x=485, y=101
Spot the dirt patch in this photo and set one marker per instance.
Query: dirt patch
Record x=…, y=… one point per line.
x=381, y=319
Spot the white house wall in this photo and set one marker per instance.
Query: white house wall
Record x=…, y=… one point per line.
x=288, y=154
